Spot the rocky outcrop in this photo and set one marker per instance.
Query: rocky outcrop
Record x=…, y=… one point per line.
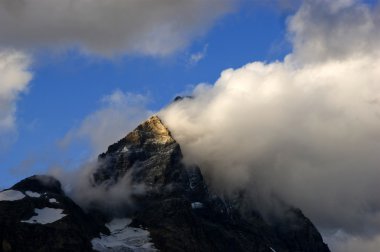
x=36, y=215
x=150, y=154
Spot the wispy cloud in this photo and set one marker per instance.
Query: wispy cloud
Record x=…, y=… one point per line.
x=198, y=56
x=119, y=113
x=14, y=79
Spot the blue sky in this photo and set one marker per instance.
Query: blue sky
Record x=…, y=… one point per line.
x=68, y=85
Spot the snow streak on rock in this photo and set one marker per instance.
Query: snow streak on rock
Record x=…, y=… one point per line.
x=11, y=195
x=123, y=238
x=46, y=215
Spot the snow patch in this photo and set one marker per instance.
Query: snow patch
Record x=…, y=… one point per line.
x=272, y=249
x=125, y=149
x=123, y=238
x=11, y=195
x=52, y=200
x=46, y=215
x=33, y=194
x=196, y=205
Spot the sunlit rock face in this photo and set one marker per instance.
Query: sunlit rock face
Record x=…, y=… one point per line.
x=151, y=157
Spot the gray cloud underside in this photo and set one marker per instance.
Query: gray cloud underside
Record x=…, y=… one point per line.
x=151, y=27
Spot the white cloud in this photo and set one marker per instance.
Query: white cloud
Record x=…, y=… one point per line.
x=120, y=112
x=346, y=26
x=152, y=27
x=305, y=130
x=14, y=79
x=342, y=242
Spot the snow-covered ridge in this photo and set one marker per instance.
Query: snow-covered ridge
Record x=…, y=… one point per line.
x=196, y=205
x=123, y=238
x=52, y=200
x=33, y=194
x=43, y=216
x=11, y=195
x=46, y=215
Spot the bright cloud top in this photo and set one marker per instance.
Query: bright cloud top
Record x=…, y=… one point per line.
x=109, y=27
x=305, y=130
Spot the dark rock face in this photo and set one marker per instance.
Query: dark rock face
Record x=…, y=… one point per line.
x=149, y=153
x=177, y=208
x=41, y=198
x=39, y=184
x=180, y=98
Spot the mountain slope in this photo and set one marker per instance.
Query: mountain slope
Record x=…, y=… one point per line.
x=174, y=210
x=36, y=215
x=179, y=210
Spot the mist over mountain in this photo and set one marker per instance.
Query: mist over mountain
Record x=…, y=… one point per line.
x=305, y=129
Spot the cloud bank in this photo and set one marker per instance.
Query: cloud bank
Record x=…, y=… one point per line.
x=14, y=79
x=305, y=129
x=336, y=30
x=149, y=27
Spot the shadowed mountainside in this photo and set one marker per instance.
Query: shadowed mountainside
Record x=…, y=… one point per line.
x=177, y=210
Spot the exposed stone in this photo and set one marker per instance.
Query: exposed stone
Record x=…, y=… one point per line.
x=149, y=153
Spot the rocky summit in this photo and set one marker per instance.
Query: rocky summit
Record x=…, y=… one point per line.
x=174, y=211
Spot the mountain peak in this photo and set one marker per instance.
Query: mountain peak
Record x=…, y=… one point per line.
x=149, y=153
x=151, y=130
x=39, y=183
x=148, y=135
